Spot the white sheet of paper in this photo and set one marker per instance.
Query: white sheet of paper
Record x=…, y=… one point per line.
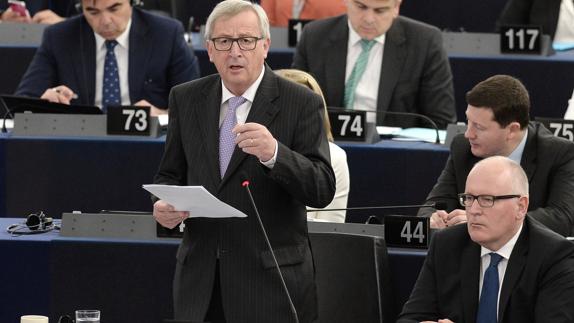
x=195, y=199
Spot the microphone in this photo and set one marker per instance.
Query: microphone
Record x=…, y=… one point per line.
x=245, y=184
x=416, y=115
x=437, y=205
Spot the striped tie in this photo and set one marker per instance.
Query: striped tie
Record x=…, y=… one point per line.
x=357, y=73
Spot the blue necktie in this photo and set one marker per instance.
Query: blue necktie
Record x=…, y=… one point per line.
x=111, y=94
x=489, y=295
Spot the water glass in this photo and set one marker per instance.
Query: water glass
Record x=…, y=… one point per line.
x=88, y=316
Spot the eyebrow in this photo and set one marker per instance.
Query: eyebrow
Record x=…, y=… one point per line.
x=113, y=6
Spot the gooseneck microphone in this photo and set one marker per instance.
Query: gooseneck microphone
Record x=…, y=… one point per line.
x=416, y=115
x=245, y=184
x=437, y=205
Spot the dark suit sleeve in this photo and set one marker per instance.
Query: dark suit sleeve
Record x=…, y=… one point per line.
x=304, y=170
x=423, y=303
x=184, y=65
x=558, y=211
x=42, y=72
x=300, y=57
x=436, y=97
x=554, y=302
x=515, y=12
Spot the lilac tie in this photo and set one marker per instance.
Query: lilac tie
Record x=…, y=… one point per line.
x=226, y=137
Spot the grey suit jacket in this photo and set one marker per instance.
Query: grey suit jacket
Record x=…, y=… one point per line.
x=302, y=175
x=532, y=12
x=538, y=284
x=415, y=73
x=549, y=164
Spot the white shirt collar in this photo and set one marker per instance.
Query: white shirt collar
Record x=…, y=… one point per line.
x=506, y=250
x=122, y=39
x=249, y=94
x=516, y=154
x=355, y=38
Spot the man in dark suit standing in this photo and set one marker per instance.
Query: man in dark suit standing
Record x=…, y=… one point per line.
x=245, y=123
x=112, y=54
x=372, y=59
x=503, y=266
x=498, y=125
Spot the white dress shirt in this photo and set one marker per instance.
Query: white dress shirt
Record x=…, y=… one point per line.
x=570, y=109
x=121, y=51
x=242, y=111
x=565, y=26
x=505, y=252
x=368, y=87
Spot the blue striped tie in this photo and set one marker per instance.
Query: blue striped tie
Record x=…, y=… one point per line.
x=489, y=295
x=357, y=73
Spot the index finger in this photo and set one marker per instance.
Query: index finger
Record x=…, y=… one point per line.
x=250, y=126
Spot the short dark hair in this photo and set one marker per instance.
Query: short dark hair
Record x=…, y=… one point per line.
x=506, y=96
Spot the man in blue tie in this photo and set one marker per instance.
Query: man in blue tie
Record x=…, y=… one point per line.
x=502, y=266
x=111, y=54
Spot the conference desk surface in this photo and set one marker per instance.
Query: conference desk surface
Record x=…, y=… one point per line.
x=128, y=280
x=64, y=174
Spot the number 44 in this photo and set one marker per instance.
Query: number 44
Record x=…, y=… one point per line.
x=417, y=233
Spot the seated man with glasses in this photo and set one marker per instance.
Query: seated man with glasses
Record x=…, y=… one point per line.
x=503, y=266
x=498, y=125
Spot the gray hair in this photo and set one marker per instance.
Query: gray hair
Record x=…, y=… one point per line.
x=230, y=8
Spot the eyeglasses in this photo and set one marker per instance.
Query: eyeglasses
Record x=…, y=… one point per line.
x=483, y=200
x=244, y=43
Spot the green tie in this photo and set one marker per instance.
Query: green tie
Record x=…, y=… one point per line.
x=357, y=73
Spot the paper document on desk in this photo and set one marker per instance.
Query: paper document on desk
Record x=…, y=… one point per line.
x=195, y=199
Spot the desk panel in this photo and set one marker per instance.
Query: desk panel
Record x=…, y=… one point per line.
x=61, y=174
x=130, y=281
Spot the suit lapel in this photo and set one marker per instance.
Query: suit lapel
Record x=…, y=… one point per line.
x=262, y=111
x=336, y=62
x=514, y=270
x=139, y=52
x=207, y=119
x=393, y=60
x=85, y=64
x=469, y=277
x=528, y=161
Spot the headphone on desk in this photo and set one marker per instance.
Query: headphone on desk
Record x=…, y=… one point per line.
x=35, y=223
x=133, y=3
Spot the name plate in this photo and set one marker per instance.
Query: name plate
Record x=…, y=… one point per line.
x=407, y=231
x=515, y=39
x=348, y=125
x=295, y=29
x=560, y=127
x=129, y=120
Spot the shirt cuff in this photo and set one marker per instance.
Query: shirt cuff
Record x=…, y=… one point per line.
x=271, y=162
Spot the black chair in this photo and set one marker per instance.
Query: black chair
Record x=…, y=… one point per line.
x=353, y=278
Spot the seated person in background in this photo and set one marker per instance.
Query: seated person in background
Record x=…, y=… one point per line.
x=555, y=16
x=338, y=156
x=39, y=11
x=502, y=266
x=280, y=11
x=408, y=69
x=570, y=110
x=112, y=54
x=498, y=125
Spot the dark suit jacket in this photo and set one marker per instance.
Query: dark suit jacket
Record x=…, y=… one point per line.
x=415, y=73
x=538, y=284
x=158, y=59
x=302, y=175
x=549, y=164
x=532, y=12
